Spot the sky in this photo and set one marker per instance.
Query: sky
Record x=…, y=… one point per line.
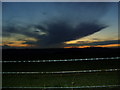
x=59, y=24
x=0, y=15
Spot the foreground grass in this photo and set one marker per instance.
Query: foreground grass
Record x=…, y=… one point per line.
x=60, y=66
x=60, y=80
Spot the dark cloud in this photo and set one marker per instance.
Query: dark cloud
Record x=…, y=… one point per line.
x=106, y=42
x=8, y=30
x=68, y=25
x=12, y=29
x=60, y=32
x=95, y=39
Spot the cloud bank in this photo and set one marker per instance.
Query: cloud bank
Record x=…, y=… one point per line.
x=55, y=33
x=67, y=26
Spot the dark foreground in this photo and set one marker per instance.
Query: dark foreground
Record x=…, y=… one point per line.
x=117, y=88
x=58, y=53
x=61, y=66
x=60, y=80
x=81, y=80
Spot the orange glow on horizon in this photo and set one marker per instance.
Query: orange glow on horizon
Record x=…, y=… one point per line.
x=77, y=47
x=110, y=45
x=19, y=45
x=16, y=44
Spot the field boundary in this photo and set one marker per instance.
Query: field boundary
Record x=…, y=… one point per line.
x=61, y=60
x=60, y=72
x=102, y=86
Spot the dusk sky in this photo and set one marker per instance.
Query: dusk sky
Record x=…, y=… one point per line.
x=60, y=24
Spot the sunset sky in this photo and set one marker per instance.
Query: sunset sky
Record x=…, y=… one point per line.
x=60, y=24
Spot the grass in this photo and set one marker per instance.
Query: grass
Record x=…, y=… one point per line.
x=61, y=66
x=60, y=80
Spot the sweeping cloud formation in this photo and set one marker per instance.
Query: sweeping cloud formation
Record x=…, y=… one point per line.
x=54, y=34
x=60, y=32
x=62, y=22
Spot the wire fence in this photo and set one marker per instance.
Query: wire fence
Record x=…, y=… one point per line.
x=100, y=86
x=62, y=72
x=65, y=60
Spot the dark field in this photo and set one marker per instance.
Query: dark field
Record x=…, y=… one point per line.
x=61, y=66
x=61, y=80
x=116, y=88
x=58, y=53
